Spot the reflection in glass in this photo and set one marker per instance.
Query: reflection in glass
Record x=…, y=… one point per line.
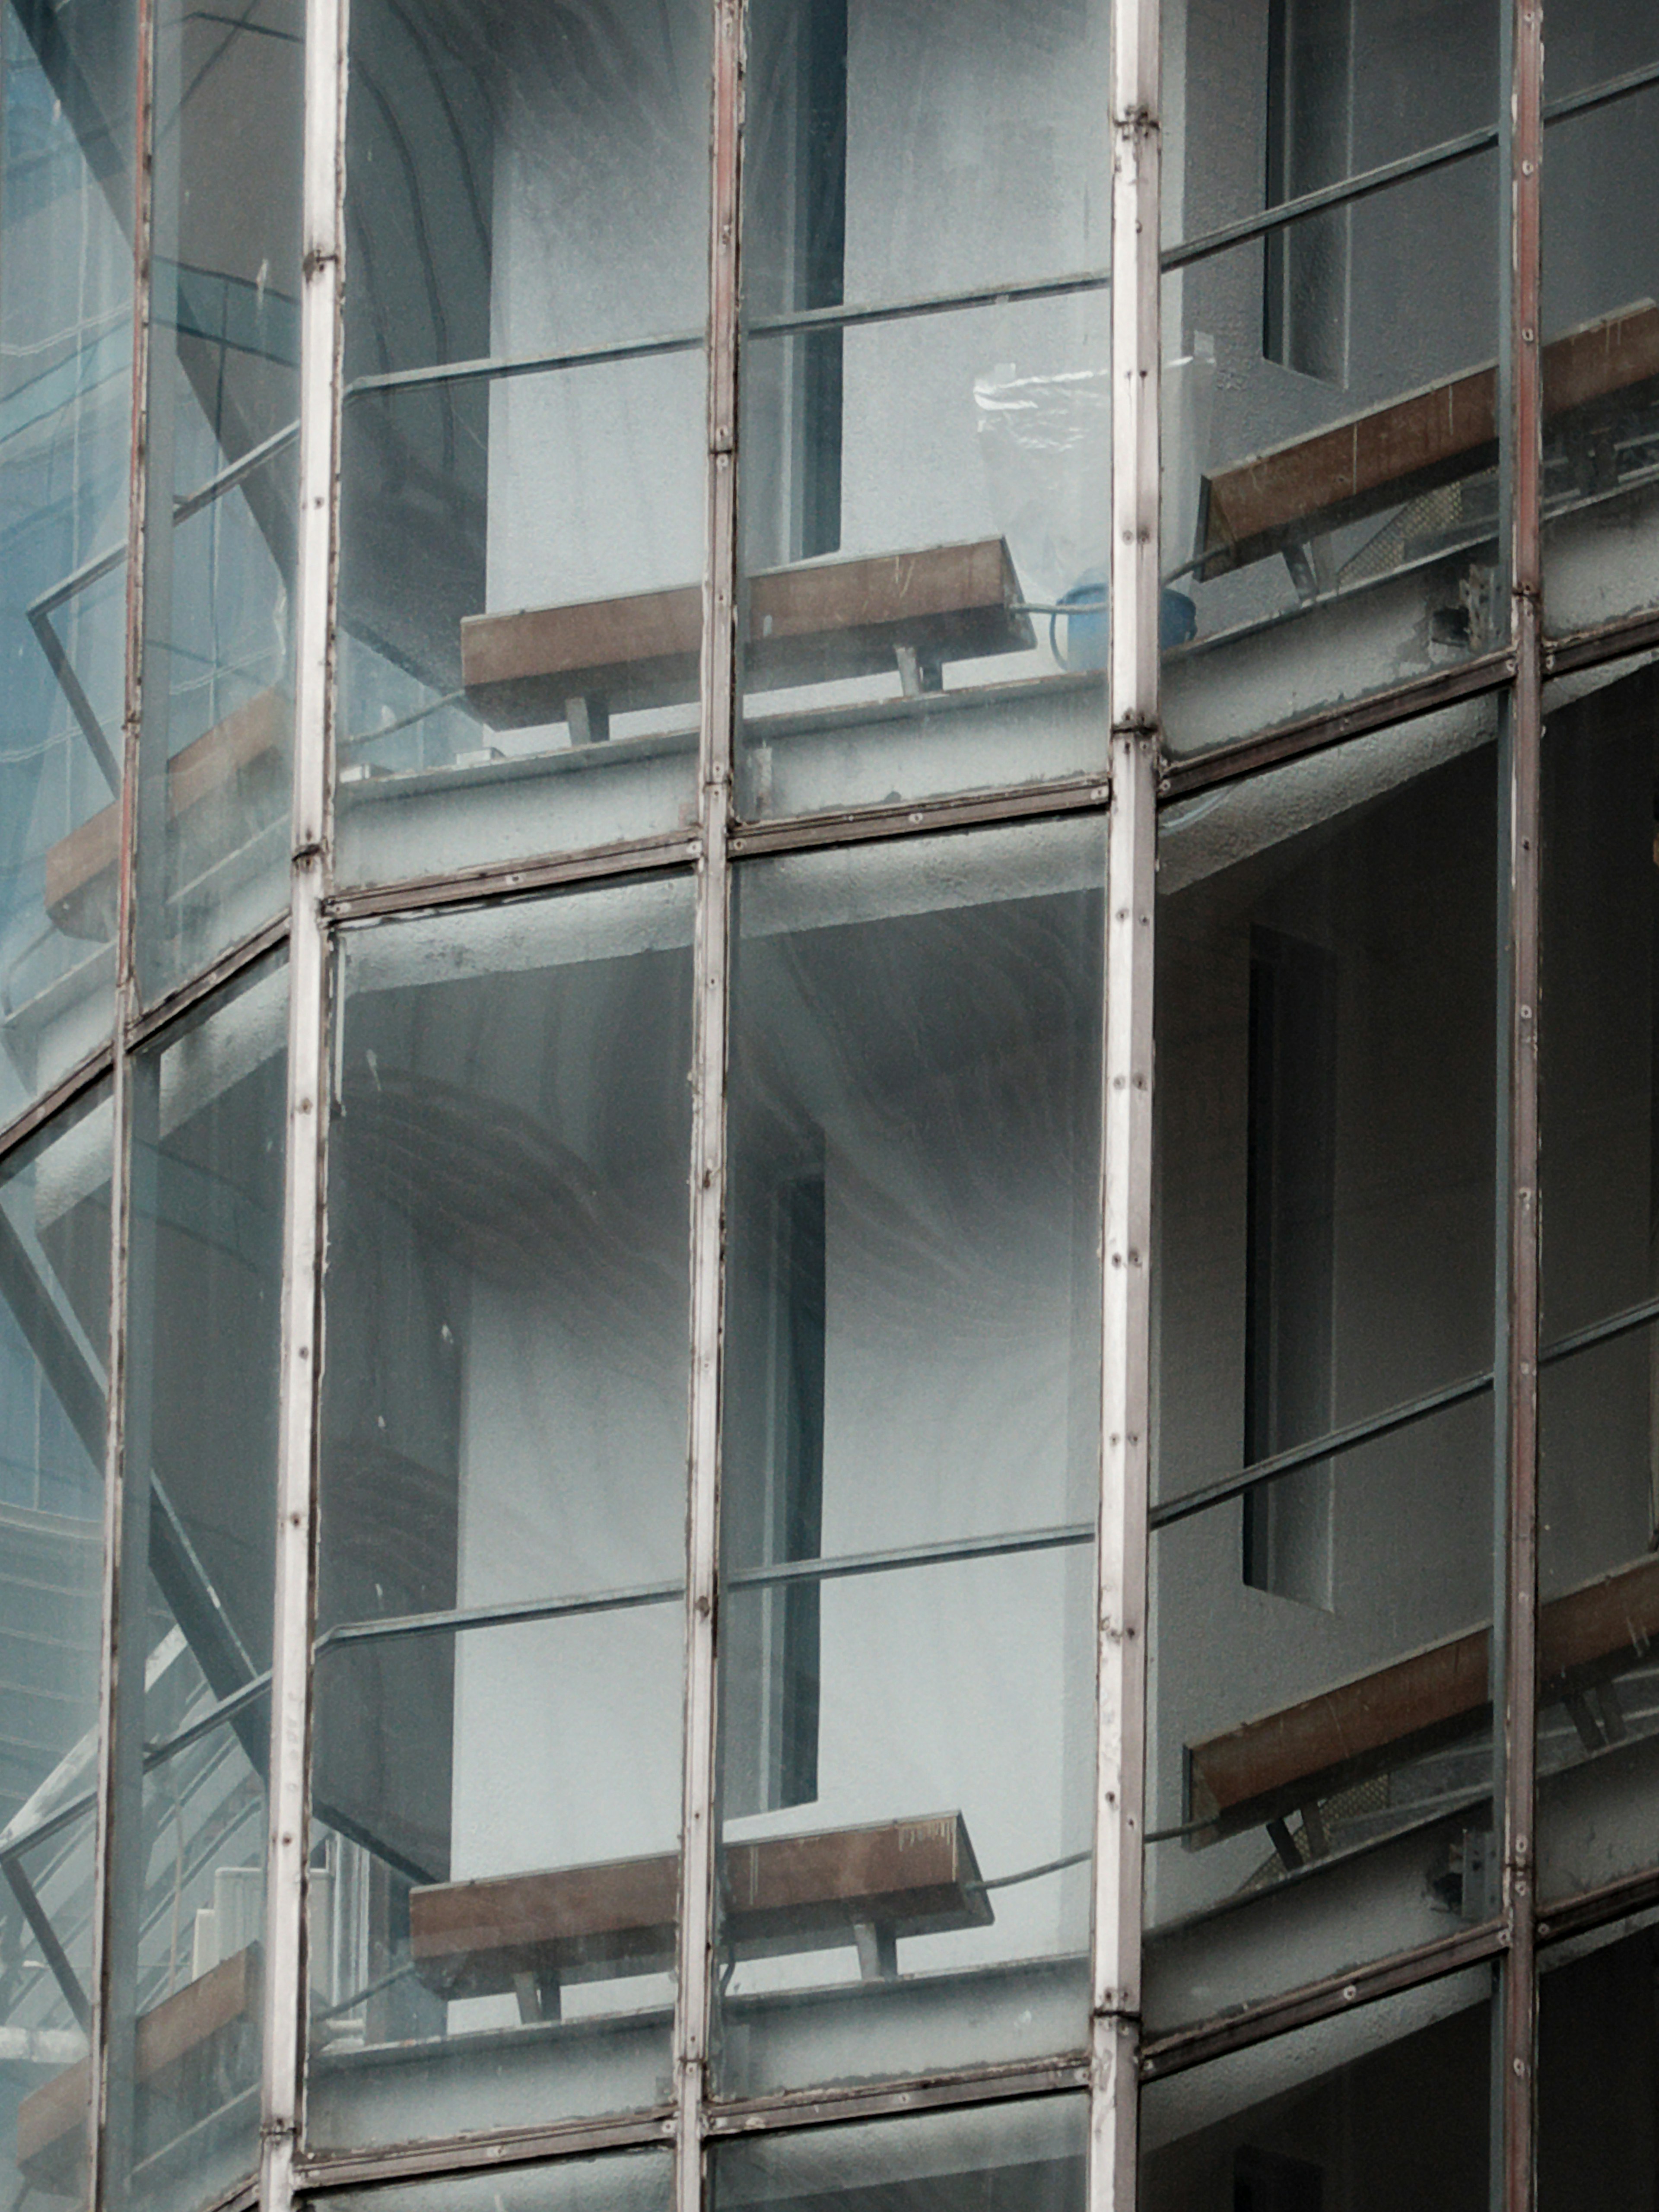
x=909, y=1458
x=1601, y=321
x=953, y=635
x=523, y=192
x=1320, y=1746
x=470, y=728
x=1028, y=2157
x=497, y=1769
x=193, y=1724
x=1326, y=90
x=632, y=2181
x=66, y=79
x=222, y=447
x=1598, y=2073
x=54, y=1324
x=1327, y=534
x=1387, y=2106
x=920, y=490
x=1599, y=1385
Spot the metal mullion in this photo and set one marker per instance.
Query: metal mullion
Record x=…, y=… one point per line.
x=1133, y=693
x=711, y=968
x=1515, y=1616
x=493, y=881
x=284, y=2004
x=113, y=1689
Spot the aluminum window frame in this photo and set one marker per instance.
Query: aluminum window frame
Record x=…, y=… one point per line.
x=1142, y=779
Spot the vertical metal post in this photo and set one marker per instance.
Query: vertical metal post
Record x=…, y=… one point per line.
x=1126, y=1380
x=106, y=2169
x=282, y=2083
x=712, y=981
x=1516, y=1598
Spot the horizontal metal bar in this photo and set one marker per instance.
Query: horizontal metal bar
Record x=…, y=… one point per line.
x=1616, y=641
x=1061, y=1536
x=223, y=972
x=1597, y=1908
x=398, y=1628
x=64, y=1095
x=1600, y=1332
x=237, y=470
x=1601, y=95
x=517, y=880
x=1228, y=234
x=1441, y=155
x=1162, y=2056
x=997, y=293
x=1179, y=777
x=855, y=825
x=1187, y=1503
x=931, y=303
x=448, y=2154
x=487, y=367
x=520, y=1612
x=978, y=2084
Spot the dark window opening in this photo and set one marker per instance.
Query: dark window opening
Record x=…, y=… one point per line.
x=796, y=262
x=1290, y=1258
x=1309, y=145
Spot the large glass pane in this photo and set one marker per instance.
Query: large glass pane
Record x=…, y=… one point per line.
x=66, y=83
x=1599, y=1384
x=497, y=1768
x=222, y=447
x=54, y=1328
x=1601, y=285
x=199, y=1554
x=925, y=494
x=522, y=499
x=1330, y=487
x=1598, y=2074
x=910, y=1457
x=1382, y=2107
x=1321, y=1568
x=1028, y=2157
x=632, y=2181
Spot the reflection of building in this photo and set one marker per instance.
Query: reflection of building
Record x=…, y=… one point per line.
x=670, y=1530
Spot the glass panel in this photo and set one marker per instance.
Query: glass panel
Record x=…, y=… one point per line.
x=222, y=447
x=632, y=2181
x=1325, y=90
x=935, y=650
x=66, y=82
x=1387, y=2106
x=1028, y=2157
x=1598, y=2072
x=199, y=1541
x=1599, y=1490
x=438, y=768
x=527, y=190
x=1329, y=530
x=1320, y=1746
x=910, y=1458
x=920, y=487
x=500, y=1681
x=54, y=1330
x=1602, y=323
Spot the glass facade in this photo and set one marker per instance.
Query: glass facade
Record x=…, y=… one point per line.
x=829, y=1106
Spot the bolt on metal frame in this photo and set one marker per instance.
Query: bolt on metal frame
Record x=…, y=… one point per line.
x=1139, y=778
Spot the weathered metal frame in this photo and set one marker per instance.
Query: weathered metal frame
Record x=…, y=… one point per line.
x=1141, y=779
